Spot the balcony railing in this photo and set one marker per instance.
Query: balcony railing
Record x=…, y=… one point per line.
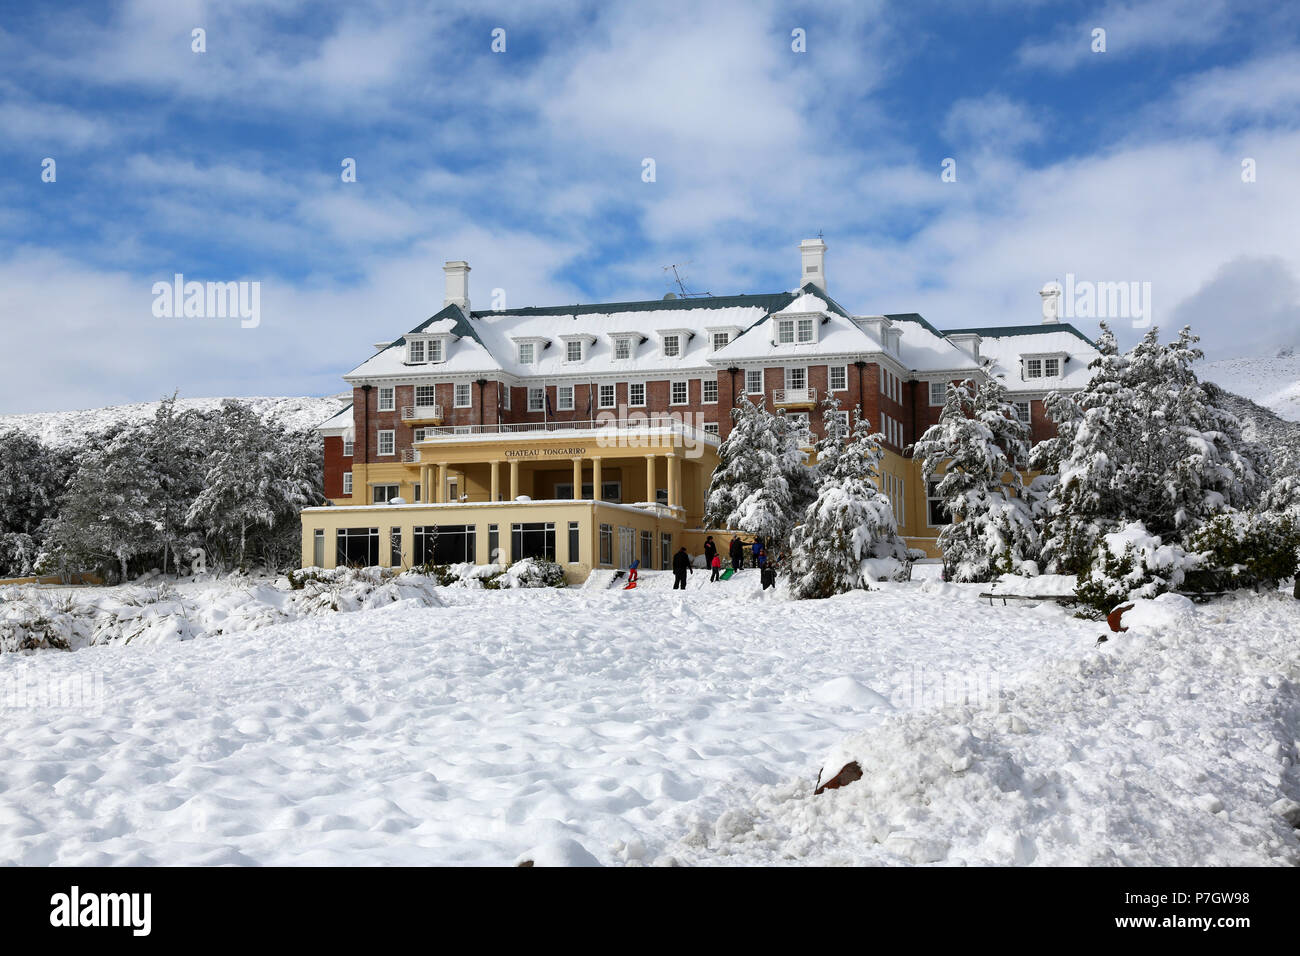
x=410, y=455
x=631, y=423
x=421, y=413
x=794, y=396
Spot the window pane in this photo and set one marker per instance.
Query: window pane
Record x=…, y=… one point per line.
x=575, y=543
x=710, y=389
x=754, y=381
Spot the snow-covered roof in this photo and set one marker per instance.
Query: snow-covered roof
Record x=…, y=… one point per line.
x=339, y=424
x=1004, y=347
x=925, y=349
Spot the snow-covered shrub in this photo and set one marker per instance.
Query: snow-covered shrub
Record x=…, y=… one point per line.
x=26, y=626
x=1132, y=563
x=535, y=573
x=1244, y=549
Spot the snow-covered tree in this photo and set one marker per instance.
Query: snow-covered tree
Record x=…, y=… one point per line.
x=250, y=483
x=32, y=476
x=1143, y=441
x=977, y=452
x=106, y=516
x=761, y=483
x=850, y=523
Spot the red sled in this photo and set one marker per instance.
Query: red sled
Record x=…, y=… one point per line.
x=628, y=587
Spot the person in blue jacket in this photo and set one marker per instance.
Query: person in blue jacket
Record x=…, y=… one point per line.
x=756, y=548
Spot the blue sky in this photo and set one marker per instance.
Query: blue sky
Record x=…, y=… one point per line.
x=225, y=165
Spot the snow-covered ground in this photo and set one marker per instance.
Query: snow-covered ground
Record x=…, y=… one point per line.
x=67, y=428
x=655, y=726
x=1271, y=381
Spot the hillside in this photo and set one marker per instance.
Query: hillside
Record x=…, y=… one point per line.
x=1273, y=382
x=67, y=428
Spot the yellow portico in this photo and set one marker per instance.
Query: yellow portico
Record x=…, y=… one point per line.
x=585, y=494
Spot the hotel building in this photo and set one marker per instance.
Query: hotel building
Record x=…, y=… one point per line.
x=589, y=433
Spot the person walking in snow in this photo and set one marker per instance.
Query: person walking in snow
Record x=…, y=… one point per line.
x=710, y=549
x=716, y=564
x=681, y=567
x=756, y=548
x=632, y=569
x=737, y=553
x=766, y=570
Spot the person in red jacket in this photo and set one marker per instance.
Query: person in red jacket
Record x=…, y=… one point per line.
x=716, y=564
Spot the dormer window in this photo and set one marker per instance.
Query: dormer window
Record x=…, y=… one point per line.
x=575, y=346
x=1043, y=366
x=527, y=352
x=721, y=336
x=623, y=347
x=672, y=345
x=800, y=330
x=426, y=350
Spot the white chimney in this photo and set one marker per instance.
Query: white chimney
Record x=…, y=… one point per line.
x=457, y=284
x=1051, y=295
x=813, y=252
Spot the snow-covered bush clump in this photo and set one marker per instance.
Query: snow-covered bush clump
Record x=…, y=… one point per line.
x=33, y=618
x=525, y=573
x=534, y=573
x=1132, y=563
x=1245, y=550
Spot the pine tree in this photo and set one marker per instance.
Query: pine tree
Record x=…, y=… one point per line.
x=761, y=482
x=1143, y=441
x=978, y=450
x=850, y=522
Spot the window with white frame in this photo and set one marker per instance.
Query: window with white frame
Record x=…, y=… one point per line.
x=622, y=347
x=348, y=447
x=564, y=398
x=884, y=381
x=387, y=441
x=844, y=419
x=505, y=395
x=710, y=428
x=573, y=351
x=435, y=350
x=536, y=399
x=679, y=394
x=785, y=331
x=720, y=340
x=807, y=330
x=527, y=350
x=754, y=381
x=636, y=394
x=1034, y=368
x=938, y=393
x=709, y=391
x=839, y=378
x=425, y=396
x=796, y=377
x=884, y=427
x=385, y=398
x=417, y=435
x=462, y=395
x=1023, y=412
x=347, y=482
x=415, y=352
x=672, y=345
x=1052, y=368
x=606, y=395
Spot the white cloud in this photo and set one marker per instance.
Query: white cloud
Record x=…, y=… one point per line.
x=1131, y=27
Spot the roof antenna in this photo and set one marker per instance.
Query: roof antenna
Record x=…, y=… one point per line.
x=681, y=284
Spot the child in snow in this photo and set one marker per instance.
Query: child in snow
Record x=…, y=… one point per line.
x=716, y=564
x=767, y=572
x=632, y=569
